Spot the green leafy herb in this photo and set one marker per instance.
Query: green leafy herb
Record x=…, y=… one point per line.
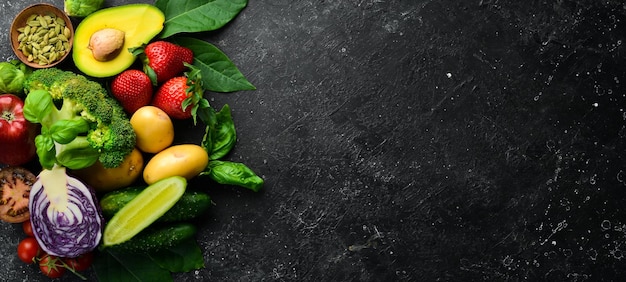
x=66, y=130
x=197, y=15
x=45, y=149
x=220, y=136
x=77, y=154
x=41, y=105
x=219, y=73
x=232, y=173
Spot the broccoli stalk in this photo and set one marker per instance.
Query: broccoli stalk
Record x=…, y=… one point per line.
x=80, y=122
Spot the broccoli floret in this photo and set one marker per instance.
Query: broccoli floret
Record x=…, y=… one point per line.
x=81, y=8
x=72, y=108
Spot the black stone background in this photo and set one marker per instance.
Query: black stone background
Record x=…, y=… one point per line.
x=471, y=140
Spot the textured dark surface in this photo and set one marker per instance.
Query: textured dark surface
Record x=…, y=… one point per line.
x=416, y=140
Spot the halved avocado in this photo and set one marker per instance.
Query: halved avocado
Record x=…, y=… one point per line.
x=139, y=22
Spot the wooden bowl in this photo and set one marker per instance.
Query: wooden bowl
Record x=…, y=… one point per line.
x=20, y=21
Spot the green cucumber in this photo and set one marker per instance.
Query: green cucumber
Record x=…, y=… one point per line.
x=157, y=238
x=191, y=205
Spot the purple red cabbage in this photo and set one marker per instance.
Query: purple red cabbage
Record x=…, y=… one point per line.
x=70, y=232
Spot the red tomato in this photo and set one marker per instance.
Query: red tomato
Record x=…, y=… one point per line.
x=81, y=262
x=28, y=228
x=17, y=135
x=15, y=185
x=51, y=266
x=28, y=250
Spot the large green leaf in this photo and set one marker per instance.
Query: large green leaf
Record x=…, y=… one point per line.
x=183, y=257
x=118, y=267
x=219, y=74
x=185, y=16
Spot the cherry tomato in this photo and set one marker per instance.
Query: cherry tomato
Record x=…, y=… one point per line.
x=17, y=135
x=28, y=249
x=51, y=266
x=81, y=262
x=28, y=228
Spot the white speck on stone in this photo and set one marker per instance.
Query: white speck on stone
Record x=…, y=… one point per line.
x=449, y=75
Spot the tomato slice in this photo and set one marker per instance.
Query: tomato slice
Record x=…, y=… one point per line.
x=15, y=185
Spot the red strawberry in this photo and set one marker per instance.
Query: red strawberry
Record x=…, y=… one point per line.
x=164, y=60
x=170, y=96
x=133, y=89
x=182, y=97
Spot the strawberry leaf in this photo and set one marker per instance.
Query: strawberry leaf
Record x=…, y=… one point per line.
x=139, y=52
x=197, y=15
x=219, y=73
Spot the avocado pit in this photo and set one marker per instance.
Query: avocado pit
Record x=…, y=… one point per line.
x=105, y=44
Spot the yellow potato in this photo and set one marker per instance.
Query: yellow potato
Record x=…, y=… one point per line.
x=186, y=160
x=154, y=129
x=107, y=179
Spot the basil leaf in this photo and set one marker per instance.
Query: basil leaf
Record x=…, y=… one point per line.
x=207, y=140
x=118, y=267
x=231, y=173
x=219, y=74
x=77, y=154
x=37, y=105
x=220, y=135
x=197, y=15
x=45, y=150
x=223, y=134
x=64, y=131
x=183, y=257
